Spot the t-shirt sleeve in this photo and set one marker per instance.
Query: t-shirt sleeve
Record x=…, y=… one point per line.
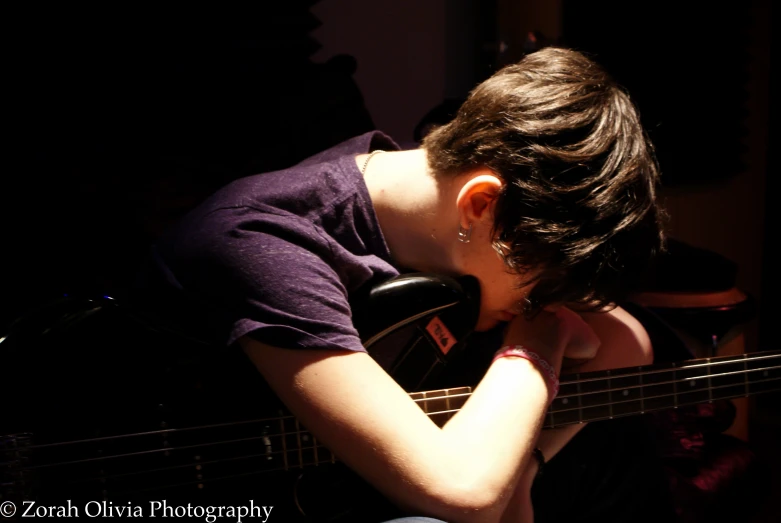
x=268, y=275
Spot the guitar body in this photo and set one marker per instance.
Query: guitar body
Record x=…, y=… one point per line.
x=99, y=404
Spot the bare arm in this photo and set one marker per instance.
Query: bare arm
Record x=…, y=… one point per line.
x=624, y=343
x=465, y=471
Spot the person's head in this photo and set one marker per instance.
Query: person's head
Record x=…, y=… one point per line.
x=577, y=205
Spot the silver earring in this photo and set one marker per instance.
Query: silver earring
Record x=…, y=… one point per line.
x=464, y=235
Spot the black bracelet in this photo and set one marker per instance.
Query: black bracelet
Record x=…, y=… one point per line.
x=540, y=457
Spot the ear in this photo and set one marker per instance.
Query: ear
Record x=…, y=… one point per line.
x=477, y=198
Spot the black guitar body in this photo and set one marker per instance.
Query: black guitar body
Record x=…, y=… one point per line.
x=100, y=403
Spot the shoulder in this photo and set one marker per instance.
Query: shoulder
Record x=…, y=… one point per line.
x=360, y=144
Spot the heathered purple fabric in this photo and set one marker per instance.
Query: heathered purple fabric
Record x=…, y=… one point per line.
x=279, y=253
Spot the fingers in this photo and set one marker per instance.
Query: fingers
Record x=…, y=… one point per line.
x=545, y=334
x=554, y=335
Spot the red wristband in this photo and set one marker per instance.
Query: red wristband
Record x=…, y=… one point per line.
x=547, y=370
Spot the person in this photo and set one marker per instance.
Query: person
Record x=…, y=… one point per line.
x=542, y=187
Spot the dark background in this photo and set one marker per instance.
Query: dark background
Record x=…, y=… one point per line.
x=118, y=122
x=121, y=122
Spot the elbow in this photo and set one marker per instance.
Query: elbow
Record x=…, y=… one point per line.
x=466, y=501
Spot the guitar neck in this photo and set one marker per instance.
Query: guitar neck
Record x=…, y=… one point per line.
x=588, y=397
x=281, y=443
x=616, y=393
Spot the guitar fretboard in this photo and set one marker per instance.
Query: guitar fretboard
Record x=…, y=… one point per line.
x=623, y=392
x=196, y=455
x=610, y=394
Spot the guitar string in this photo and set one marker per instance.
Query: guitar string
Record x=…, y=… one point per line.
x=768, y=355
x=653, y=384
x=201, y=480
x=437, y=413
x=201, y=463
x=195, y=482
x=164, y=449
x=421, y=400
x=245, y=474
x=679, y=393
x=275, y=420
x=676, y=368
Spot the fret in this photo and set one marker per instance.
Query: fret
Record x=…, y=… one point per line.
x=568, y=392
x=764, y=374
x=626, y=394
x=292, y=443
x=587, y=397
x=728, y=379
x=299, y=447
x=595, y=397
x=457, y=398
x=308, y=448
x=447, y=407
x=441, y=405
x=697, y=381
x=602, y=395
x=658, y=389
x=564, y=407
x=214, y=451
x=322, y=454
x=298, y=444
x=436, y=406
x=268, y=445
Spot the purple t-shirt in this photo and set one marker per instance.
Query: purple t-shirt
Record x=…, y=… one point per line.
x=279, y=254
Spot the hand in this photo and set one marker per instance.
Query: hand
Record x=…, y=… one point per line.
x=554, y=334
x=584, y=343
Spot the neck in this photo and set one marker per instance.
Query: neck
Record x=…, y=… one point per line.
x=412, y=208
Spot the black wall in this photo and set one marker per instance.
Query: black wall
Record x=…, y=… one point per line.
x=121, y=122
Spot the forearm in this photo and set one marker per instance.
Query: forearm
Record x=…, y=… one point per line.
x=624, y=344
x=465, y=471
x=497, y=429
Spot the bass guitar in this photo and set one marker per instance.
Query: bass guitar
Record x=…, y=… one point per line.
x=103, y=406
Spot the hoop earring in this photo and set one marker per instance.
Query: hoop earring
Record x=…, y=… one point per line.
x=464, y=235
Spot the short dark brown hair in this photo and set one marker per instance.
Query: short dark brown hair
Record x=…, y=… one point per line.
x=579, y=198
